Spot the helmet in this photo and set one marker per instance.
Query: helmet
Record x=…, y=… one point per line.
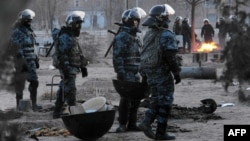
x=206, y=20
x=160, y=13
x=26, y=14
x=128, y=16
x=75, y=17
x=186, y=20
x=179, y=18
x=222, y=19
x=233, y=18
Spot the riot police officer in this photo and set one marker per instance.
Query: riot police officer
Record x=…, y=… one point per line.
x=69, y=55
x=126, y=61
x=207, y=31
x=26, y=61
x=159, y=62
x=177, y=25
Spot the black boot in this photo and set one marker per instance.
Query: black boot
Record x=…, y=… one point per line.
x=122, y=128
x=58, y=105
x=145, y=126
x=161, y=132
x=35, y=107
x=19, y=96
x=33, y=95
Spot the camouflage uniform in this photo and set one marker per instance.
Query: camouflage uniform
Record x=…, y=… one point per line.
x=160, y=76
x=126, y=59
x=26, y=61
x=69, y=58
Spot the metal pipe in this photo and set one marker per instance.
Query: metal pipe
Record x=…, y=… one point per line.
x=198, y=72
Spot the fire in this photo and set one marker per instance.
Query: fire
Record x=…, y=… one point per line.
x=207, y=47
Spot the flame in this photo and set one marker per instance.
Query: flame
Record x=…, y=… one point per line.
x=207, y=47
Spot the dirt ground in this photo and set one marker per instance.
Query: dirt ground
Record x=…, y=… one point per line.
x=185, y=126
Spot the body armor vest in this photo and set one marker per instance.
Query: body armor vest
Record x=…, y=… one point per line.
x=129, y=51
x=28, y=43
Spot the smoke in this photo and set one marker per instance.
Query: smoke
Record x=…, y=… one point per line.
x=8, y=15
x=9, y=10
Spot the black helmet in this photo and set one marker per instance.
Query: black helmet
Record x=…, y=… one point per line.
x=75, y=17
x=160, y=13
x=222, y=19
x=178, y=18
x=186, y=20
x=128, y=16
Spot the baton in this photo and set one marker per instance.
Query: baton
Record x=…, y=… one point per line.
x=110, y=31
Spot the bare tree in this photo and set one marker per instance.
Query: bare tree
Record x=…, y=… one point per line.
x=193, y=4
x=48, y=11
x=230, y=6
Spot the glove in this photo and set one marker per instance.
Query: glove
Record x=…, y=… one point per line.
x=84, y=72
x=121, y=76
x=177, y=78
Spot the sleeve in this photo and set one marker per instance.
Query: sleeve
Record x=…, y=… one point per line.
x=217, y=25
x=202, y=31
x=64, y=45
x=119, y=47
x=16, y=41
x=170, y=49
x=212, y=30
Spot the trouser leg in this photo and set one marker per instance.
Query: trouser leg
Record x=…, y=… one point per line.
x=33, y=94
x=58, y=104
x=132, y=119
x=162, y=126
x=150, y=115
x=19, y=87
x=123, y=115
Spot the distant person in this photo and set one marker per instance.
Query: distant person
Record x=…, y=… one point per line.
x=207, y=31
x=177, y=25
x=236, y=26
x=186, y=33
x=222, y=34
x=70, y=61
x=26, y=61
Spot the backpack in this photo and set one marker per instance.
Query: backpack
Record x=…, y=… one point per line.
x=151, y=55
x=56, y=55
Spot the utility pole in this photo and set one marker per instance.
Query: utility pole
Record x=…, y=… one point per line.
x=126, y=4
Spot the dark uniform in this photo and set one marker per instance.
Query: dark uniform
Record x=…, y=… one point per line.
x=159, y=62
x=222, y=26
x=69, y=56
x=177, y=27
x=126, y=61
x=25, y=59
x=186, y=33
x=207, y=31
